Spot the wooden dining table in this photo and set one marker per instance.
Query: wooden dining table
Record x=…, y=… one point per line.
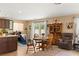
x=41, y=42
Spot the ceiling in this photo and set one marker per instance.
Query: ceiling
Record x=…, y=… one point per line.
x=29, y=11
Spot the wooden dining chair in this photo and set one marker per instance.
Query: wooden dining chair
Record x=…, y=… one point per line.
x=48, y=44
x=30, y=43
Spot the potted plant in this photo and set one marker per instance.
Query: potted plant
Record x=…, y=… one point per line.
x=4, y=31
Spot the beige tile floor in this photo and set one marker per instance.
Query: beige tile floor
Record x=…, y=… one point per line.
x=53, y=51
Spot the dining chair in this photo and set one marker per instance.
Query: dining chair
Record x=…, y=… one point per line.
x=48, y=43
x=30, y=43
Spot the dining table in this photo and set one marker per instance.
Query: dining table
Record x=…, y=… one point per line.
x=41, y=42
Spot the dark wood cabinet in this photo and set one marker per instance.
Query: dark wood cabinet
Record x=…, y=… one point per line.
x=51, y=28
x=3, y=47
x=7, y=23
x=8, y=44
x=4, y=23
x=0, y=23
x=12, y=43
x=55, y=29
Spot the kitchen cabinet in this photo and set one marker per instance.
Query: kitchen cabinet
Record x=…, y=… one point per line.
x=4, y=23
x=0, y=23
x=3, y=47
x=12, y=43
x=7, y=23
x=8, y=44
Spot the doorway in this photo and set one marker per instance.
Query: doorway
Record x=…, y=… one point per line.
x=39, y=27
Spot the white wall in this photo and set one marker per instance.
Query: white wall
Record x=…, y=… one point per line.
x=77, y=25
x=77, y=29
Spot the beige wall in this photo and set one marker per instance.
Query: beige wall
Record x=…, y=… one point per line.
x=65, y=20
x=19, y=21
x=26, y=24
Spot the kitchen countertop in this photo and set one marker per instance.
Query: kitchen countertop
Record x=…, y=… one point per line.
x=9, y=36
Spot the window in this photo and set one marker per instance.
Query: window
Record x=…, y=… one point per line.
x=42, y=28
x=76, y=30
x=77, y=25
x=18, y=27
x=38, y=28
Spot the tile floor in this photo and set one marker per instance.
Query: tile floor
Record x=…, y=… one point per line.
x=53, y=51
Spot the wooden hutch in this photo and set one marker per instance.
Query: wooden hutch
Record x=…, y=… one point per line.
x=55, y=30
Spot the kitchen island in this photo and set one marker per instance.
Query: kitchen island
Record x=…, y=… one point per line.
x=8, y=43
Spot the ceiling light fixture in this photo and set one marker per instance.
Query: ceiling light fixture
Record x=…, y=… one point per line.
x=57, y=3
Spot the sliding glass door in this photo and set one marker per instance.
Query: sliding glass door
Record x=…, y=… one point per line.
x=38, y=28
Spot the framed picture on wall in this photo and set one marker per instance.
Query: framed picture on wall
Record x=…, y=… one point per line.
x=11, y=24
x=70, y=25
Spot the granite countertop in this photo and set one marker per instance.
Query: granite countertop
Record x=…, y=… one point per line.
x=8, y=36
